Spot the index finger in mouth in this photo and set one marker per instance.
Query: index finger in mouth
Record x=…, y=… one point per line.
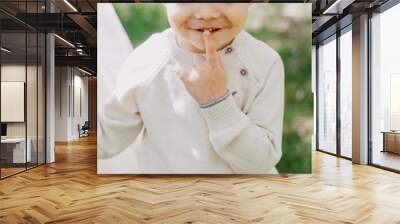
x=210, y=49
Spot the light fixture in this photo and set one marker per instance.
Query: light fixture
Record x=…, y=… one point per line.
x=84, y=71
x=80, y=51
x=337, y=7
x=70, y=5
x=64, y=40
x=5, y=50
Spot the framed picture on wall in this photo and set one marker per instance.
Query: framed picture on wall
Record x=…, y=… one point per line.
x=12, y=101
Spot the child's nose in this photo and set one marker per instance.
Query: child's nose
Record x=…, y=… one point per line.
x=206, y=12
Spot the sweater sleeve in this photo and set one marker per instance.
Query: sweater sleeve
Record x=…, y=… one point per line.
x=120, y=123
x=250, y=143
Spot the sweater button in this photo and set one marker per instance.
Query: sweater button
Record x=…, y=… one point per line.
x=243, y=72
x=228, y=50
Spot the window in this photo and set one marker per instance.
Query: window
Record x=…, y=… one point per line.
x=346, y=92
x=327, y=95
x=22, y=76
x=385, y=89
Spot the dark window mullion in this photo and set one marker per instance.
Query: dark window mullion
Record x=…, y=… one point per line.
x=317, y=96
x=369, y=90
x=37, y=90
x=26, y=87
x=338, y=78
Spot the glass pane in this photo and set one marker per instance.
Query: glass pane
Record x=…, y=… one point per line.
x=314, y=84
x=327, y=97
x=13, y=89
x=346, y=94
x=31, y=85
x=386, y=89
x=41, y=98
x=31, y=97
x=22, y=89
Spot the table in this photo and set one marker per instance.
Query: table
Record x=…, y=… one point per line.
x=15, y=148
x=391, y=141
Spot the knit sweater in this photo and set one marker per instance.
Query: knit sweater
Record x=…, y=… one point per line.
x=151, y=112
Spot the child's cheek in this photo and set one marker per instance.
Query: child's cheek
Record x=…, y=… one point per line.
x=238, y=16
x=179, y=21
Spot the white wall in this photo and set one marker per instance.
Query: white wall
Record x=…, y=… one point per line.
x=33, y=126
x=61, y=103
x=12, y=73
x=69, y=82
x=79, y=117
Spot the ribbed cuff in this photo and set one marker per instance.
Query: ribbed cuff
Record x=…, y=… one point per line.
x=223, y=114
x=216, y=100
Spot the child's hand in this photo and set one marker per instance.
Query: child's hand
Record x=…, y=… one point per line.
x=208, y=79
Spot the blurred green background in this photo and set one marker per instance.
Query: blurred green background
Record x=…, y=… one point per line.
x=285, y=27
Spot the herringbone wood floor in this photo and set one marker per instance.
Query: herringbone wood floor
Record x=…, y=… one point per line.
x=70, y=191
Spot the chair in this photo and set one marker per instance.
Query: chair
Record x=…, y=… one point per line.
x=84, y=130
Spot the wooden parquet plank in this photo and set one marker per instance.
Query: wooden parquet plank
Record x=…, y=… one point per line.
x=70, y=191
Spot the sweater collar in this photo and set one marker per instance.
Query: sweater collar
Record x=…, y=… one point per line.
x=186, y=56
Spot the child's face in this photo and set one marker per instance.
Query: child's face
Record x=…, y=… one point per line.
x=189, y=20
